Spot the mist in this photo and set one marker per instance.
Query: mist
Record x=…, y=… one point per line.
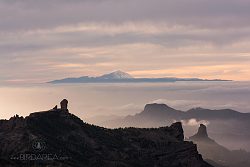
x=89, y=100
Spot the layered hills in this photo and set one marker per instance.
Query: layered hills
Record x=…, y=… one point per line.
x=158, y=113
x=227, y=126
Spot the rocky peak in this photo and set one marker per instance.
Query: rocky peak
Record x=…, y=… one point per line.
x=156, y=107
x=201, y=134
x=64, y=105
x=160, y=111
x=178, y=131
x=116, y=75
x=202, y=131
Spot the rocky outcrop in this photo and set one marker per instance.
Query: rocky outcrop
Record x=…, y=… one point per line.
x=73, y=143
x=14, y=122
x=158, y=109
x=154, y=107
x=64, y=105
x=177, y=131
x=201, y=134
x=217, y=154
x=202, y=131
x=55, y=108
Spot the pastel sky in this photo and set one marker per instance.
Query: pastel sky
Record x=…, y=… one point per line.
x=51, y=39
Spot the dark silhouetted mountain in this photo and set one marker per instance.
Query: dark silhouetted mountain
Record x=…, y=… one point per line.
x=122, y=77
x=226, y=125
x=161, y=113
x=217, y=114
x=59, y=138
x=201, y=134
x=220, y=155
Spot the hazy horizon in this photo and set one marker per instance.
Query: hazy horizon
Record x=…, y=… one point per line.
x=88, y=100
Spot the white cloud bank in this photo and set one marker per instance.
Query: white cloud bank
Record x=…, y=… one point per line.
x=194, y=122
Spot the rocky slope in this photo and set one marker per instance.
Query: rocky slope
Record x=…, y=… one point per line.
x=215, y=152
x=58, y=138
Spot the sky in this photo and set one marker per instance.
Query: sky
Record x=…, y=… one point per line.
x=52, y=39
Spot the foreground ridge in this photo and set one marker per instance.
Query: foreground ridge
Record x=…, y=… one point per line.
x=59, y=138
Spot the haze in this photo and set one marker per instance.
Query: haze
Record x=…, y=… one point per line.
x=88, y=100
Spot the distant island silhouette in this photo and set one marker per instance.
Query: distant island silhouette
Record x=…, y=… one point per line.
x=123, y=77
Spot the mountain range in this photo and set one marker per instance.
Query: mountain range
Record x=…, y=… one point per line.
x=226, y=126
x=56, y=138
x=123, y=77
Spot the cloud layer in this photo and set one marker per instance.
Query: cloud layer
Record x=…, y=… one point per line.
x=58, y=38
x=194, y=122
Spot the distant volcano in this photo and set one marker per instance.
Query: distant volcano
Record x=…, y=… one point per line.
x=116, y=75
x=123, y=77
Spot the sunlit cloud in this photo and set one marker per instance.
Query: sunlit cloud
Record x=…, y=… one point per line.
x=161, y=39
x=194, y=122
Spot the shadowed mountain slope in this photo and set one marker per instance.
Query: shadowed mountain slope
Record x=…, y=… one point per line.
x=229, y=127
x=59, y=138
x=213, y=151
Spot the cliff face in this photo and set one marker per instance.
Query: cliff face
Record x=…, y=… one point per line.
x=58, y=138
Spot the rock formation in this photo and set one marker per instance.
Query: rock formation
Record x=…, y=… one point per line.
x=55, y=108
x=178, y=131
x=78, y=144
x=217, y=154
x=201, y=134
x=64, y=105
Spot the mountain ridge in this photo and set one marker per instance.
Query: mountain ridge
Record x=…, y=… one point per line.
x=162, y=112
x=157, y=110
x=226, y=125
x=58, y=138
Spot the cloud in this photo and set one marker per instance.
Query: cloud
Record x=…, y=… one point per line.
x=124, y=99
x=30, y=14
x=179, y=38
x=194, y=122
x=184, y=96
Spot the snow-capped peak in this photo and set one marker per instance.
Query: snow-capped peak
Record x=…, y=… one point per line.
x=116, y=75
